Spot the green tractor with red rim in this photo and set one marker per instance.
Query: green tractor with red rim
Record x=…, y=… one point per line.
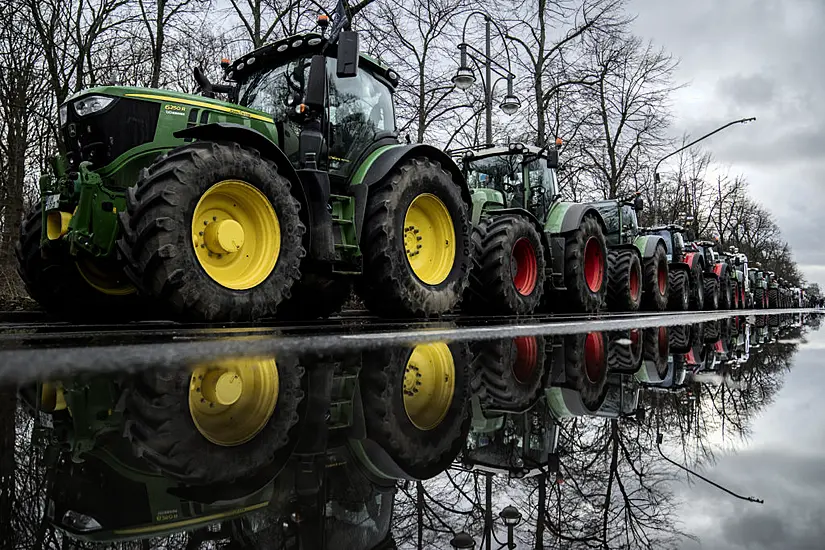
x=532, y=251
x=275, y=200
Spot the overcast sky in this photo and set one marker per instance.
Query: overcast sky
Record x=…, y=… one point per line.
x=783, y=463
x=761, y=58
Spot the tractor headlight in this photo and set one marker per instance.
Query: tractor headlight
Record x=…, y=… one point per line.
x=64, y=114
x=92, y=104
x=80, y=522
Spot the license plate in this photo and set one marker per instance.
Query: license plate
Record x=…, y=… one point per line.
x=52, y=202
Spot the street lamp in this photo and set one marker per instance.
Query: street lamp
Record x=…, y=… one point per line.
x=511, y=517
x=464, y=77
x=462, y=540
x=656, y=178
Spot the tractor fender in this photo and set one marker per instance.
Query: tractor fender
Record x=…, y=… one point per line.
x=721, y=270
x=647, y=244
x=383, y=160
x=692, y=257
x=628, y=246
x=566, y=216
x=679, y=266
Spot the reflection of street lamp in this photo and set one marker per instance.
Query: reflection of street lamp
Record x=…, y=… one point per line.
x=511, y=517
x=656, y=178
x=462, y=540
x=464, y=77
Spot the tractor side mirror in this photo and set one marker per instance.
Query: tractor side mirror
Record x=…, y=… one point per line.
x=316, y=91
x=738, y=261
x=347, y=55
x=638, y=204
x=553, y=158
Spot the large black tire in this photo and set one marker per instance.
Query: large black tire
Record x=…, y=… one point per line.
x=581, y=295
x=759, y=298
x=656, y=279
x=315, y=296
x=679, y=287
x=418, y=452
x=711, y=285
x=157, y=240
x=624, y=350
x=389, y=285
x=697, y=287
x=678, y=338
x=52, y=278
x=736, y=294
x=161, y=429
x=508, y=375
x=509, y=274
x=773, y=298
x=624, y=280
x=585, y=365
x=657, y=348
x=725, y=293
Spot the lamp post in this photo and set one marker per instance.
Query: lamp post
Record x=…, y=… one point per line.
x=464, y=77
x=656, y=178
x=511, y=517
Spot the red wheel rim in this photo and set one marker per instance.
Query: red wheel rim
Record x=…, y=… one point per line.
x=526, y=267
x=526, y=358
x=661, y=277
x=593, y=264
x=634, y=284
x=594, y=363
x=664, y=346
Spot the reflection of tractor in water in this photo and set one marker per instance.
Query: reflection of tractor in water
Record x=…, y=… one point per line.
x=224, y=430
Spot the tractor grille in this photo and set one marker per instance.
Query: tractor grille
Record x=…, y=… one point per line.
x=101, y=137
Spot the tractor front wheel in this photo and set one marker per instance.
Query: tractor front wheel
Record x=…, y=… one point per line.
x=697, y=288
x=656, y=288
x=416, y=242
x=711, y=291
x=77, y=288
x=773, y=298
x=509, y=373
x=624, y=280
x=510, y=275
x=585, y=267
x=212, y=230
x=679, y=299
x=586, y=365
x=725, y=293
x=759, y=298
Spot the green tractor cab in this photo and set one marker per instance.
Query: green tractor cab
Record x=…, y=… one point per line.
x=637, y=268
x=275, y=200
x=531, y=249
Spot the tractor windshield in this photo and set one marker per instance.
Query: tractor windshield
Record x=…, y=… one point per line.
x=276, y=91
x=512, y=176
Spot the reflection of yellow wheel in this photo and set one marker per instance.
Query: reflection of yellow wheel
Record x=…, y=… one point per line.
x=105, y=279
x=429, y=384
x=236, y=234
x=232, y=401
x=429, y=239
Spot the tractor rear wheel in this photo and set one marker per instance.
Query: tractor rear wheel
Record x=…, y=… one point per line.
x=77, y=288
x=725, y=293
x=657, y=349
x=212, y=230
x=759, y=298
x=624, y=350
x=624, y=280
x=509, y=373
x=219, y=423
x=678, y=338
x=711, y=291
x=510, y=275
x=585, y=267
x=585, y=365
x=416, y=242
x=416, y=404
x=773, y=298
x=679, y=299
x=736, y=304
x=697, y=288
x=315, y=296
x=656, y=288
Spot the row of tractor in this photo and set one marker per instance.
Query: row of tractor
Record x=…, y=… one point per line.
x=296, y=190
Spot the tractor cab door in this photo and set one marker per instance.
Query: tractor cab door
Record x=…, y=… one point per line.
x=540, y=187
x=360, y=114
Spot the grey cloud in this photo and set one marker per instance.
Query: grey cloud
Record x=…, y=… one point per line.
x=756, y=90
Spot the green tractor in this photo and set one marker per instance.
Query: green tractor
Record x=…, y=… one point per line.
x=531, y=249
x=277, y=199
x=637, y=266
x=759, y=285
x=681, y=286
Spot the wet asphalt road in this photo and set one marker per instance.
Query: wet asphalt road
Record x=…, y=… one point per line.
x=32, y=347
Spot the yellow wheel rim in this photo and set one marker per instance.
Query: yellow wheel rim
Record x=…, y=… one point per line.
x=429, y=385
x=231, y=401
x=236, y=234
x=429, y=239
x=104, y=279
